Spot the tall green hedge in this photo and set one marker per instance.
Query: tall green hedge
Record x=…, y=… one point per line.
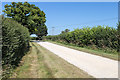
x=15, y=43
x=100, y=37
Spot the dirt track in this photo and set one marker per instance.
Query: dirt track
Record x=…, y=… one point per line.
x=97, y=66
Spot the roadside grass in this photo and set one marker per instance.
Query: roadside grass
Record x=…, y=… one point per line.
x=23, y=71
x=98, y=52
x=41, y=63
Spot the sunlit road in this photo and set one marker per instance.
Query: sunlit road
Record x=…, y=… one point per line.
x=98, y=67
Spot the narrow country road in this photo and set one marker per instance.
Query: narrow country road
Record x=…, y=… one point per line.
x=98, y=67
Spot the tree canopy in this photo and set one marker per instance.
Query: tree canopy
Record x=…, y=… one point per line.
x=29, y=16
x=65, y=31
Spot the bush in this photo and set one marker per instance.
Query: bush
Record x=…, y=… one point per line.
x=15, y=44
x=101, y=37
x=33, y=38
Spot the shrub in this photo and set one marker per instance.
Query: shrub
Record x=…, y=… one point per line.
x=33, y=38
x=101, y=37
x=15, y=44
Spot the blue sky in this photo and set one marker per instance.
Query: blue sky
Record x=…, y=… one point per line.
x=72, y=15
x=60, y=0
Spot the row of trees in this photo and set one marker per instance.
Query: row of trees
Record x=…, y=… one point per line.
x=29, y=16
x=99, y=37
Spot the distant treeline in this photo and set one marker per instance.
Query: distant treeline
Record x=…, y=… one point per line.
x=15, y=43
x=97, y=37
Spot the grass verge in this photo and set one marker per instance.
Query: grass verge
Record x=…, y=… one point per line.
x=113, y=56
x=41, y=63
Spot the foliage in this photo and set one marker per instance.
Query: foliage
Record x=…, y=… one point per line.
x=28, y=15
x=33, y=38
x=119, y=37
x=42, y=31
x=66, y=30
x=15, y=44
x=99, y=37
x=0, y=45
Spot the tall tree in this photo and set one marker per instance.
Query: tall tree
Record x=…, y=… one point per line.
x=65, y=31
x=28, y=15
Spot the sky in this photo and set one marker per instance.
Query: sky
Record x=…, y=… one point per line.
x=61, y=0
x=72, y=15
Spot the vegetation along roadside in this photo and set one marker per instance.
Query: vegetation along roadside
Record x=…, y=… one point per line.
x=41, y=63
x=98, y=40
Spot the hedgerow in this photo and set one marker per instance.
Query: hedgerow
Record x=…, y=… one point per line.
x=99, y=37
x=15, y=43
x=33, y=38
